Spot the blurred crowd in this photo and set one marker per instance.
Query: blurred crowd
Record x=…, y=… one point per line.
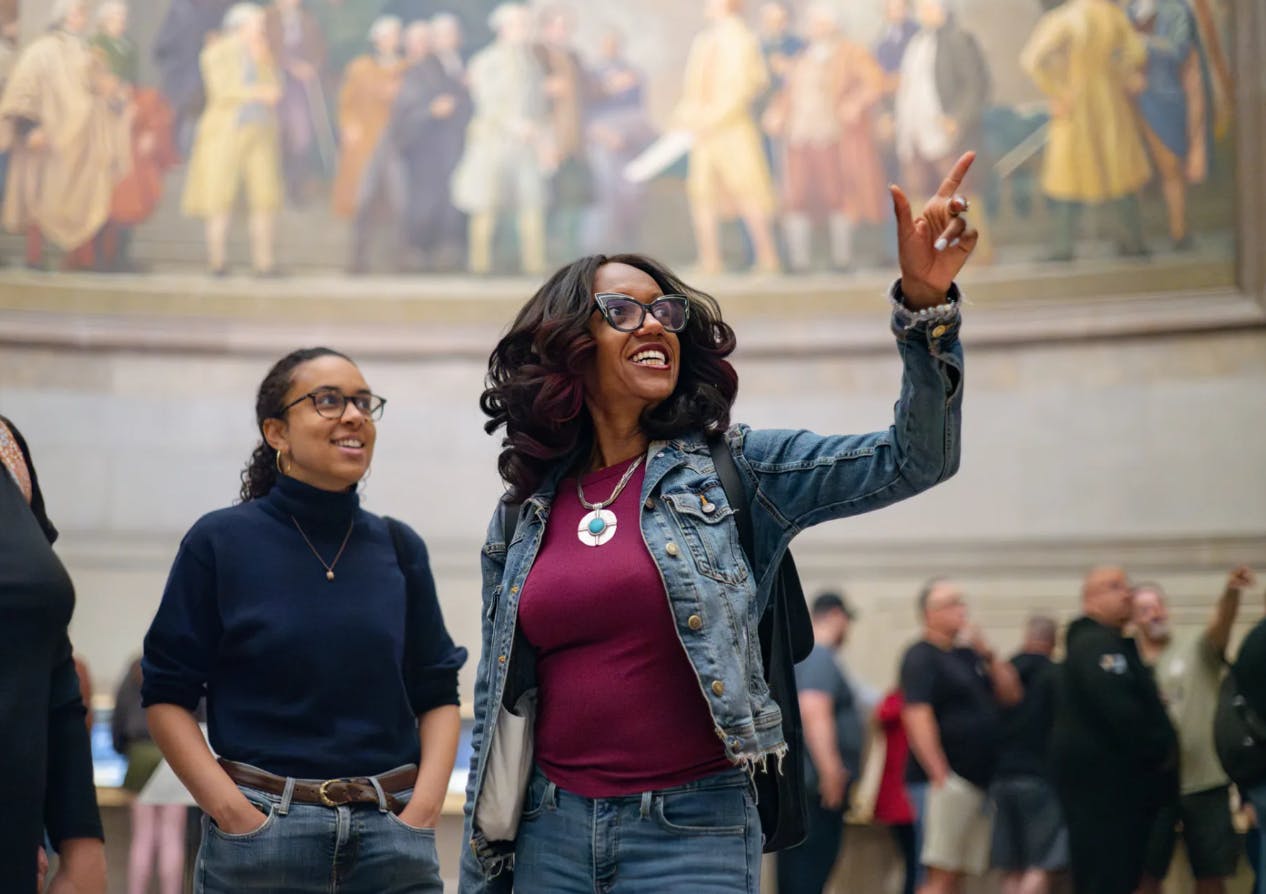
x=1093, y=766
x=517, y=153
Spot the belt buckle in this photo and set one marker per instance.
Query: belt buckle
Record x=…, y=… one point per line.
x=325, y=798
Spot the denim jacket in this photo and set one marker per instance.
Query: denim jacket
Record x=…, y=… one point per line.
x=794, y=479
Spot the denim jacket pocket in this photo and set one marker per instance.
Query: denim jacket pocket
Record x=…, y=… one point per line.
x=706, y=522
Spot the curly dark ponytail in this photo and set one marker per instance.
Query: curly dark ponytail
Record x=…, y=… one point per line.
x=261, y=470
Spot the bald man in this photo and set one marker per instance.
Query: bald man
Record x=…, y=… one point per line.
x=1114, y=750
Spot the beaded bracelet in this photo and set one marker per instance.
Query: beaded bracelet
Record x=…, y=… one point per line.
x=908, y=318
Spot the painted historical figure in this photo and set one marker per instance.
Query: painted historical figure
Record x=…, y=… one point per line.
x=66, y=124
x=177, y=52
x=237, y=142
x=618, y=129
x=509, y=144
x=1088, y=59
x=1176, y=105
x=824, y=115
x=729, y=172
x=153, y=150
x=299, y=50
x=428, y=128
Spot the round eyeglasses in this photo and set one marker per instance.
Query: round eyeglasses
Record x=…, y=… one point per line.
x=332, y=403
x=626, y=314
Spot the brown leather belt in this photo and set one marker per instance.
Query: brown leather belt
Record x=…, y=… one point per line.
x=327, y=792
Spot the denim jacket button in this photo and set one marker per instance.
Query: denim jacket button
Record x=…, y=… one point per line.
x=694, y=622
x=718, y=688
x=501, y=659
x=514, y=589
x=671, y=548
x=938, y=332
x=650, y=504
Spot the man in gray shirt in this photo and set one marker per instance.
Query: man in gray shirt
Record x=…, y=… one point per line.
x=831, y=715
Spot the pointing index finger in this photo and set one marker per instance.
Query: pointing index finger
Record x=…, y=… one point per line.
x=954, y=179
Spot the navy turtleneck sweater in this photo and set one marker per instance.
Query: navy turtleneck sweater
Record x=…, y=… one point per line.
x=303, y=676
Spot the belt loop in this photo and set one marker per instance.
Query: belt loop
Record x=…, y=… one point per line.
x=550, y=801
x=286, y=794
x=646, y=805
x=382, y=796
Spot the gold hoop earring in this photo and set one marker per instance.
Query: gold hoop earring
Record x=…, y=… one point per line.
x=277, y=461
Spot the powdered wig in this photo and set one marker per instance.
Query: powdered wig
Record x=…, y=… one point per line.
x=60, y=10
x=109, y=9
x=445, y=20
x=498, y=17
x=536, y=373
x=384, y=25
x=240, y=15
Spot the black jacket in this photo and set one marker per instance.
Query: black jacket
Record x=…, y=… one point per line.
x=45, y=755
x=1112, y=733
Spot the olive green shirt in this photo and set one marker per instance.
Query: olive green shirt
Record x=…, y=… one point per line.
x=1188, y=674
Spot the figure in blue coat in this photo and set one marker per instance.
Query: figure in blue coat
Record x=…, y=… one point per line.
x=1175, y=104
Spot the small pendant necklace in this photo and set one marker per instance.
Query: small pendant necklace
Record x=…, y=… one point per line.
x=329, y=569
x=598, y=526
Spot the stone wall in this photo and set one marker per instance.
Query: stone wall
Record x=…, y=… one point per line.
x=1144, y=451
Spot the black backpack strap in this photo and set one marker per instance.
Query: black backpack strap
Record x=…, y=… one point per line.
x=411, y=595
x=788, y=596
x=735, y=493
x=510, y=513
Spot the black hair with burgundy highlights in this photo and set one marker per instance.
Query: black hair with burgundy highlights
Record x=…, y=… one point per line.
x=535, y=384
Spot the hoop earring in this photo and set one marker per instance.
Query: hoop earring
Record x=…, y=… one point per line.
x=277, y=462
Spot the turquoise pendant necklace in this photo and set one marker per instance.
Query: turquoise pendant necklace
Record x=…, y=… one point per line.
x=598, y=526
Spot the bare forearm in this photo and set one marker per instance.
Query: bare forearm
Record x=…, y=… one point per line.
x=1219, y=632
x=82, y=869
x=925, y=740
x=1007, y=688
x=177, y=735
x=820, y=737
x=438, y=730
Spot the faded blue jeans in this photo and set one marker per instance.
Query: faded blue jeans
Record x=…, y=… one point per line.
x=1256, y=795
x=700, y=838
x=301, y=848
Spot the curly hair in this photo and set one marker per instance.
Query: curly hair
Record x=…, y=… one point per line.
x=260, y=473
x=535, y=384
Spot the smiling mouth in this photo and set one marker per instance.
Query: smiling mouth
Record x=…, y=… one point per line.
x=353, y=443
x=653, y=358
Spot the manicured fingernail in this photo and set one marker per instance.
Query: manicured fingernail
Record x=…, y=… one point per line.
x=940, y=244
x=955, y=242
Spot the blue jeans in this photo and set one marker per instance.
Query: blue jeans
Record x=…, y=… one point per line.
x=359, y=849
x=700, y=838
x=1257, y=797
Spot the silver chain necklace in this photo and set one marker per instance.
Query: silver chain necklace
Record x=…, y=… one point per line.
x=598, y=526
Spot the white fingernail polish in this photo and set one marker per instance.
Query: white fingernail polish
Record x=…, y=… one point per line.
x=940, y=244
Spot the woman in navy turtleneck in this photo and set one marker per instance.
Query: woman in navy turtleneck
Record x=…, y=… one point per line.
x=334, y=719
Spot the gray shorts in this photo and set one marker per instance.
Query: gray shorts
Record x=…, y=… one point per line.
x=1028, y=829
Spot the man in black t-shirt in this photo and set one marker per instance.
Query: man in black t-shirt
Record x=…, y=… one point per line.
x=1030, y=840
x=952, y=695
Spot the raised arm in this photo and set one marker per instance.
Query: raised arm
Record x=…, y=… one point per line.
x=1218, y=634
x=802, y=479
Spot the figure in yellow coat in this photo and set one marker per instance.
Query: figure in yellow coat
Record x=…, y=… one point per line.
x=725, y=74
x=237, y=140
x=1088, y=59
